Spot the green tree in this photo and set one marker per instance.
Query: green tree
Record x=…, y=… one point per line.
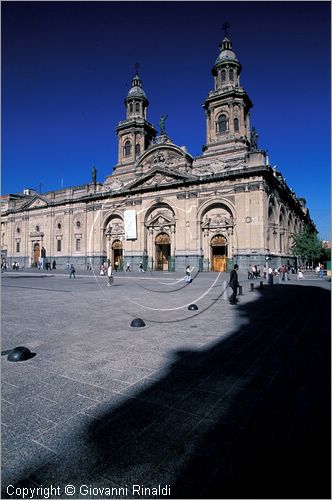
x=306, y=245
x=325, y=254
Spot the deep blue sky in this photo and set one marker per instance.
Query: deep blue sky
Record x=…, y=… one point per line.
x=67, y=68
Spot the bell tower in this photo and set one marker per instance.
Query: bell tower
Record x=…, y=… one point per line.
x=227, y=106
x=135, y=133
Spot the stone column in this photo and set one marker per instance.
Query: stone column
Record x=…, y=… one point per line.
x=230, y=242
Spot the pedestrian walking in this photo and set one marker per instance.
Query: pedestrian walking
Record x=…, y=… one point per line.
x=54, y=264
x=110, y=275
x=234, y=283
x=116, y=266
x=128, y=267
x=188, y=275
x=72, y=271
x=282, y=271
x=141, y=270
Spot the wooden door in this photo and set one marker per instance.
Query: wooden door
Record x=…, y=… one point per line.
x=219, y=253
x=163, y=251
x=117, y=253
x=219, y=263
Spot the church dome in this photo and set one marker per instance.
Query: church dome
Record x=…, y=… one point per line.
x=227, y=55
x=136, y=89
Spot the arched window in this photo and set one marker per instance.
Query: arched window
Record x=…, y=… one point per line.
x=231, y=75
x=236, y=124
x=137, y=150
x=222, y=124
x=137, y=107
x=127, y=148
x=223, y=75
x=130, y=107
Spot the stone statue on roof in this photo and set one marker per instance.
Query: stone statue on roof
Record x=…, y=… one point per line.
x=162, y=124
x=254, y=140
x=94, y=175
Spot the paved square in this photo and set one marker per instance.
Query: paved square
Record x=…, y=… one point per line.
x=222, y=402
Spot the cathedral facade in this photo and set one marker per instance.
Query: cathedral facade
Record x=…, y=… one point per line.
x=161, y=206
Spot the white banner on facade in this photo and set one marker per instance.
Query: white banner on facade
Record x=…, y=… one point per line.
x=130, y=224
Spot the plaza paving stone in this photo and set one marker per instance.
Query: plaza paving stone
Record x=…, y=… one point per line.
x=223, y=402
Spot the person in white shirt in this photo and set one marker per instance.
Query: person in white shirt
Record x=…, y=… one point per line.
x=110, y=275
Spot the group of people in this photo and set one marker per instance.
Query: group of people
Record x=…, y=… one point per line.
x=49, y=267
x=254, y=272
x=105, y=266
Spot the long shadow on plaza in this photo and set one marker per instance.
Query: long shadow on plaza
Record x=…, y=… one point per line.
x=248, y=417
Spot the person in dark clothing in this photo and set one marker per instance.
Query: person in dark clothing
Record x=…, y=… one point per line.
x=72, y=271
x=54, y=264
x=234, y=283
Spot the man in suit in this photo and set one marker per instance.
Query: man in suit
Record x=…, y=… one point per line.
x=234, y=283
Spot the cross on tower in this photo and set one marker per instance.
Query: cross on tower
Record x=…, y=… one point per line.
x=136, y=67
x=225, y=27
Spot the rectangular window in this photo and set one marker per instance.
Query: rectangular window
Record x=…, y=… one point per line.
x=78, y=245
x=58, y=245
x=18, y=247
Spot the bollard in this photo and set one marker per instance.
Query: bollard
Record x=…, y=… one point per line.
x=20, y=353
x=224, y=291
x=137, y=323
x=252, y=287
x=261, y=284
x=240, y=290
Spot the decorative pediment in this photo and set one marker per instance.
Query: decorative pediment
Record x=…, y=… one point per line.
x=36, y=202
x=165, y=155
x=217, y=222
x=217, y=219
x=161, y=219
x=159, y=177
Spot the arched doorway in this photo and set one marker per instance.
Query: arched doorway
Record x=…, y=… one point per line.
x=218, y=253
x=117, y=253
x=36, y=253
x=163, y=251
